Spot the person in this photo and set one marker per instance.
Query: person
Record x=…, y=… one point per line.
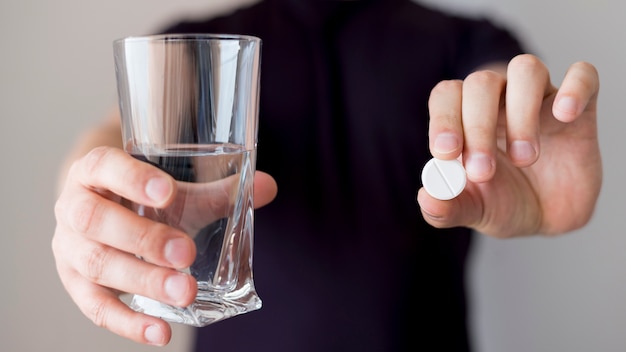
x=349, y=256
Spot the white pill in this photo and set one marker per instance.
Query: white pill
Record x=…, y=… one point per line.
x=443, y=179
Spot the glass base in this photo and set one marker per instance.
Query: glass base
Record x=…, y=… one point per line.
x=208, y=307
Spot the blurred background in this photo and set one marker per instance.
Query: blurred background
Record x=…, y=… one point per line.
x=57, y=78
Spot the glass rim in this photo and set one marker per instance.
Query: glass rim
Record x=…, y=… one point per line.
x=186, y=37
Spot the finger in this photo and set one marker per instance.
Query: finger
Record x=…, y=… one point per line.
x=104, y=307
x=482, y=92
x=578, y=92
x=101, y=220
x=446, y=214
x=198, y=204
x=109, y=267
x=265, y=189
x=114, y=170
x=528, y=83
x=445, y=131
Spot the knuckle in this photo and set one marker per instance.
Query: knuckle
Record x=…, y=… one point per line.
x=221, y=202
x=593, y=70
x=153, y=281
x=60, y=208
x=98, y=313
x=95, y=262
x=445, y=101
x=74, y=167
x=55, y=244
x=147, y=238
x=484, y=77
x=585, y=66
x=586, y=75
x=84, y=213
x=446, y=86
x=91, y=162
x=526, y=62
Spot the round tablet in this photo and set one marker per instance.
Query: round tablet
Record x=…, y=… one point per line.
x=443, y=179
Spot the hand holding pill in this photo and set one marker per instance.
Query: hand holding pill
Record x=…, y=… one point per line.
x=518, y=155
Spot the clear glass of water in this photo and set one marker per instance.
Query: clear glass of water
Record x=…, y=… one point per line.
x=189, y=106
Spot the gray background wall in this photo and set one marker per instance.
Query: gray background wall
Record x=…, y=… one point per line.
x=56, y=78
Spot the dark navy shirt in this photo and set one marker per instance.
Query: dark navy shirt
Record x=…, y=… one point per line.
x=343, y=260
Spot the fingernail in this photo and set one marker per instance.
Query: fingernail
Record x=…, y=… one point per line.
x=158, y=189
x=177, y=252
x=446, y=143
x=154, y=335
x=478, y=166
x=176, y=287
x=522, y=151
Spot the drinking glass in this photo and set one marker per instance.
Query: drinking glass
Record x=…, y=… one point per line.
x=189, y=106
